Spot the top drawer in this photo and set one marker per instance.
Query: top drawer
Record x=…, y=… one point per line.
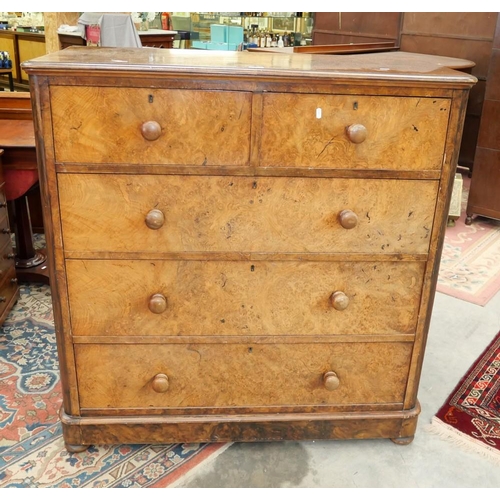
x=150, y=126
x=362, y=132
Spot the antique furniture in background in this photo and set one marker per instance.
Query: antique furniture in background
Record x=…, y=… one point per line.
x=21, y=46
x=17, y=139
x=9, y=288
x=162, y=39
x=263, y=271
x=484, y=194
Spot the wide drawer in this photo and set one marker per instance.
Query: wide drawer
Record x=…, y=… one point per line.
x=360, y=132
x=179, y=298
x=150, y=126
x=240, y=375
x=111, y=213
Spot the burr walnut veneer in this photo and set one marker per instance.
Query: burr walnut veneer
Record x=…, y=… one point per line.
x=244, y=246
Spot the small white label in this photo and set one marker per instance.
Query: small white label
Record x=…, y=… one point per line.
x=318, y=113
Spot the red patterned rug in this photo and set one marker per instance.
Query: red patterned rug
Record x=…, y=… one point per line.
x=471, y=415
x=470, y=263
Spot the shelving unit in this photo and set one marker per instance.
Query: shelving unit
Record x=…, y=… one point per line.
x=271, y=22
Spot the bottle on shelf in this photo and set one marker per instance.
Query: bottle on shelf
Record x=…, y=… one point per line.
x=268, y=40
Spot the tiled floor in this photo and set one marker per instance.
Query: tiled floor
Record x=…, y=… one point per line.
x=459, y=332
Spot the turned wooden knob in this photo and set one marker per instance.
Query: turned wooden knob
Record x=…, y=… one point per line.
x=157, y=303
x=155, y=219
x=331, y=381
x=348, y=219
x=339, y=300
x=151, y=130
x=160, y=383
x=356, y=133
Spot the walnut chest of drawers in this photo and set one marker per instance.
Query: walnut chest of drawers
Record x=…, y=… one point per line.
x=245, y=246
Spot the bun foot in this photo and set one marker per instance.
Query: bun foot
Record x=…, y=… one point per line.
x=76, y=448
x=468, y=220
x=402, y=440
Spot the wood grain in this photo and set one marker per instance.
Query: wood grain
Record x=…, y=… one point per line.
x=240, y=375
x=99, y=124
x=250, y=187
x=238, y=214
x=239, y=428
x=391, y=68
x=396, y=127
x=243, y=298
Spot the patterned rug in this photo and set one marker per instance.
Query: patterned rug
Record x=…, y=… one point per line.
x=471, y=415
x=32, y=453
x=470, y=263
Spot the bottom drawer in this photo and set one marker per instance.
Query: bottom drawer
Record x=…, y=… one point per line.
x=240, y=375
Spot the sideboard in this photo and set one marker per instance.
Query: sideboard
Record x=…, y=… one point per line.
x=245, y=246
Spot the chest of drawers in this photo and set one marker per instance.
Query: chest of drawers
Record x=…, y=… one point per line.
x=245, y=246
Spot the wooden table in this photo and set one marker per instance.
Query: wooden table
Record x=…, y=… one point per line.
x=17, y=139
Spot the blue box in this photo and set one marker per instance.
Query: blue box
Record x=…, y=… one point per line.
x=218, y=33
x=235, y=35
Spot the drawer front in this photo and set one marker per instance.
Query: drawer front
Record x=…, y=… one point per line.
x=239, y=375
x=7, y=257
x=5, y=237
x=243, y=298
x=7, y=288
x=396, y=133
x=106, y=213
x=105, y=125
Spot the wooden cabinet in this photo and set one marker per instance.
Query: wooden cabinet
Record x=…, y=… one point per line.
x=485, y=183
x=246, y=247
x=9, y=288
x=21, y=47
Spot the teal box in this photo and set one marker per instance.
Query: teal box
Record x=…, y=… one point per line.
x=199, y=44
x=235, y=35
x=218, y=33
x=221, y=46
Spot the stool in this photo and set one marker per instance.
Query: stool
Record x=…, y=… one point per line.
x=31, y=264
x=8, y=72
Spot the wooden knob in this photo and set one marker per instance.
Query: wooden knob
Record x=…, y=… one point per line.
x=339, y=300
x=348, y=219
x=356, y=133
x=151, y=130
x=155, y=219
x=158, y=303
x=331, y=381
x=160, y=383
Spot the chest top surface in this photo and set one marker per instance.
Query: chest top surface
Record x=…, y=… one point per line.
x=388, y=66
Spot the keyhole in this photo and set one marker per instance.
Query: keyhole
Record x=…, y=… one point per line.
x=150, y=98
